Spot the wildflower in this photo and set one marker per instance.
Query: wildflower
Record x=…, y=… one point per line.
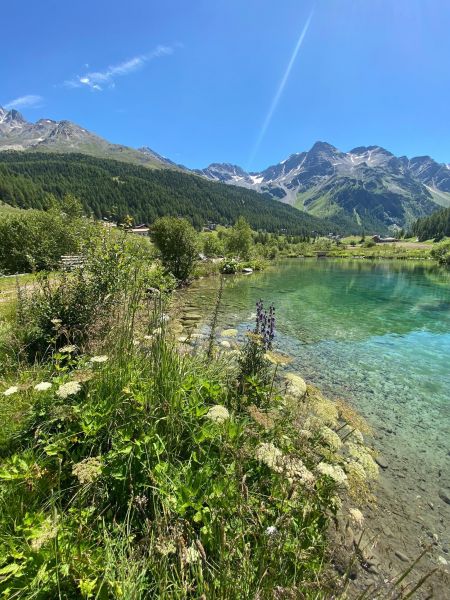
x=218, y=414
x=294, y=468
x=68, y=389
x=334, y=471
x=326, y=410
x=363, y=456
x=141, y=502
x=87, y=470
x=56, y=322
x=336, y=503
x=68, y=349
x=191, y=555
x=99, y=359
x=43, y=386
x=270, y=455
x=44, y=535
x=356, y=516
x=357, y=436
x=164, y=318
x=271, y=531
x=260, y=417
x=11, y=390
x=165, y=547
x=330, y=438
x=296, y=386
x=355, y=471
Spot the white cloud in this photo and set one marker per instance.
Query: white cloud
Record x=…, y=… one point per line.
x=29, y=101
x=98, y=80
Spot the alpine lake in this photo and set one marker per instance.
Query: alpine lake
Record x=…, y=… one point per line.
x=377, y=334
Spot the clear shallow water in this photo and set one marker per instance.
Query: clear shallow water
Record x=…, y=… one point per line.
x=376, y=334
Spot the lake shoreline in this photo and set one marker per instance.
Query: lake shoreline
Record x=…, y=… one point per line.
x=410, y=515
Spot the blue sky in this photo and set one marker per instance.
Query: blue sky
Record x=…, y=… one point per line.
x=241, y=81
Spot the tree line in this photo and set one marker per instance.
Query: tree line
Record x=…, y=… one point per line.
x=113, y=190
x=436, y=226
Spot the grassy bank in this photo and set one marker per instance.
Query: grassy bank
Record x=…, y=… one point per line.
x=133, y=466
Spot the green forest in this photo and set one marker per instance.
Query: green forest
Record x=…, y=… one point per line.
x=111, y=189
x=436, y=226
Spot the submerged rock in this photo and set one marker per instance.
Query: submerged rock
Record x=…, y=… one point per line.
x=229, y=333
x=445, y=496
x=381, y=461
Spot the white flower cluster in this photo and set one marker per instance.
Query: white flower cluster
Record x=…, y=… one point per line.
x=68, y=389
x=99, y=359
x=68, y=349
x=330, y=438
x=87, y=470
x=11, y=390
x=218, y=414
x=43, y=386
x=356, y=516
x=362, y=455
x=294, y=468
x=334, y=471
x=290, y=466
x=270, y=455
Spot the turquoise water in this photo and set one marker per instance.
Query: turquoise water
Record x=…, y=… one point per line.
x=376, y=334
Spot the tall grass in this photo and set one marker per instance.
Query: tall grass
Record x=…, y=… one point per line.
x=144, y=472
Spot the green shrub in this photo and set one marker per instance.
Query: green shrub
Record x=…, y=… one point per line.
x=63, y=308
x=441, y=253
x=239, y=240
x=35, y=240
x=178, y=243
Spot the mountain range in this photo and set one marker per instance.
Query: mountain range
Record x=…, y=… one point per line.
x=368, y=187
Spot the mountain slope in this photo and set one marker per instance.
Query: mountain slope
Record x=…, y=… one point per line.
x=111, y=188
x=46, y=135
x=368, y=186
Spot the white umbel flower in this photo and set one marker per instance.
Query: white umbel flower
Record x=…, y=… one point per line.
x=68, y=389
x=356, y=516
x=330, y=438
x=218, y=414
x=334, y=471
x=11, y=390
x=99, y=359
x=43, y=386
x=270, y=455
x=68, y=349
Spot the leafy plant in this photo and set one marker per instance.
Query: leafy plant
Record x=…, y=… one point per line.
x=177, y=242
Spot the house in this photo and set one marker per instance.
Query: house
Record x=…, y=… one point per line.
x=380, y=240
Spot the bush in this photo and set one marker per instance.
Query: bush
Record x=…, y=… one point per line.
x=239, y=240
x=62, y=309
x=441, y=253
x=33, y=240
x=212, y=245
x=178, y=243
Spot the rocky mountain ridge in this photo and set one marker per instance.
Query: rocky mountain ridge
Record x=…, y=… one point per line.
x=367, y=186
